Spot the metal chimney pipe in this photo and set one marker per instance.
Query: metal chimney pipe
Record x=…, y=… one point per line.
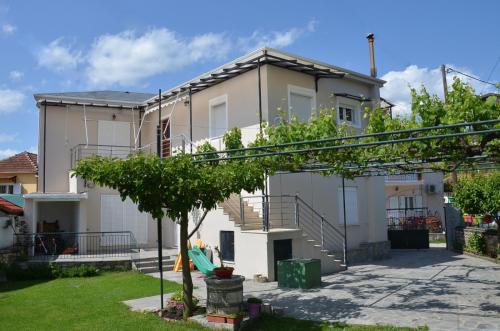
x=371, y=40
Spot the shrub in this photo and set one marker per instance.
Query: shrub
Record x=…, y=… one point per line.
x=41, y=271
x=82, y=270
x=476, y=244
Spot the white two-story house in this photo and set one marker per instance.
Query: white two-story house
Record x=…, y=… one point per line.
x=301, y=215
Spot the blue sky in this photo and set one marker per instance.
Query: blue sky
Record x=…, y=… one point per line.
x=53, y=46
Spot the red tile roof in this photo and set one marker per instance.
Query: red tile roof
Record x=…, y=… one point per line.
x=24, y=162
x=10, y=208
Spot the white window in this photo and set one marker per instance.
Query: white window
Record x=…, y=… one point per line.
x=10, y=188
x=349, y=111
x=410, y=202
x=351, y=205
x=301, y=102
x=111, y=134
x=218, y=116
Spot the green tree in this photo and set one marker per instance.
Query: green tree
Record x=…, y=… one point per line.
x=175, y=186
x=478, y=193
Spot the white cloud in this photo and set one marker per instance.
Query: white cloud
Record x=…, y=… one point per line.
x=276, y=39
x=8, y=29
x=5, y=137
x=16, y=75
x=127, y=58
x=5, y=153
x=59, y=57
x=10, y=100
x=397, y=88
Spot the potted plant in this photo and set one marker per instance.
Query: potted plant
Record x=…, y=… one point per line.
x=253, y=306
x=222, y=272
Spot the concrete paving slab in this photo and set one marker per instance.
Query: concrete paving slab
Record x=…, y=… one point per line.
x=433, y=287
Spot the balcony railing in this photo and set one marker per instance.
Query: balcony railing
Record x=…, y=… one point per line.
x=83, y=151
x=403, y=178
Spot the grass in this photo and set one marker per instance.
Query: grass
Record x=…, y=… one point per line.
x=94, y=303
x=438, y=241
x=271, y=323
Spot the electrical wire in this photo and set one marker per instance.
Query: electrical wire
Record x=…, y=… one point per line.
x=492, y=71
x=448, y=70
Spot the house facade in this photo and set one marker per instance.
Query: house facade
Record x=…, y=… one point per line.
x=18, y=174
x=415, y=196
x=299, y=215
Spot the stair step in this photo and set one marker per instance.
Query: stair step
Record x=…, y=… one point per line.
x=150, y=270
x=147, y=264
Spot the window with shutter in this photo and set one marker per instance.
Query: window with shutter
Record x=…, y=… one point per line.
x=351, y=205
x=218, y=116
x=301, y=102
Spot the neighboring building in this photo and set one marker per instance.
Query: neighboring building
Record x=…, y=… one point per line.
x=413, y=196
x=18, y=174
x=305, y=215
x=11, y=208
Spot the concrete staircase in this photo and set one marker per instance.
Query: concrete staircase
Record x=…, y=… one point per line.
x=231, y=207
x=149, y=264
x=281, y=221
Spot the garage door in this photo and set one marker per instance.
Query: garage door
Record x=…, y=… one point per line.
x=118, y=215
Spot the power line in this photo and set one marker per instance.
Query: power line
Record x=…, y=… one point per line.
x=448, y=70
x=492, y=71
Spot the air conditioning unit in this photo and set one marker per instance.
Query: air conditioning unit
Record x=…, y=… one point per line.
x=431, y=189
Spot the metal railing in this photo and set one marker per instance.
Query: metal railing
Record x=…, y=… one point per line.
x=83, y=151
x=412, y=218
x=291, y=211
x=76, y=245
x=403, y=178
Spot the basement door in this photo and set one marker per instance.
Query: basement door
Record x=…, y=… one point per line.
x=118, y=215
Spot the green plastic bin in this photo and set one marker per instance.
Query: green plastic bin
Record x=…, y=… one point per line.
x=299, y=273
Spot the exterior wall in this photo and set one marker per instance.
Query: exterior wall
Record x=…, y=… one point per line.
x=28, y=181
x=6, y=234
x=321, y=193
x=66, y=129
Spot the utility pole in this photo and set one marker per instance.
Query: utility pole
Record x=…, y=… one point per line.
x=445, y=83
x=445, y=89
x=160, y=248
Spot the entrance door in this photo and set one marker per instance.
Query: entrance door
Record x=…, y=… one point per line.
x=282, y=251
x=118, y=215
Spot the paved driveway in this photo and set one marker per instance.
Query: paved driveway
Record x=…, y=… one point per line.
x=431, y=287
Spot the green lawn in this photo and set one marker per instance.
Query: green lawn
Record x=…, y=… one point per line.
x=82, y=304
x=95, y=304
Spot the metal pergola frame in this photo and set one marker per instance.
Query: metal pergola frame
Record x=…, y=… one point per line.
x=479, y=128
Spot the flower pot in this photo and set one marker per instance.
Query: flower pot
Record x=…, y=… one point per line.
x=487, y=219
x=216, y=319
x=234, y=320
x=468, y=219
x=253, y=309
x=224, y=273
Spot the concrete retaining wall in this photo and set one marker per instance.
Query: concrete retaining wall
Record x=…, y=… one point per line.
x=369, y=252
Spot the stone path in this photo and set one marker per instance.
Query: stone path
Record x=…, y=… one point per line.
x=431, y=287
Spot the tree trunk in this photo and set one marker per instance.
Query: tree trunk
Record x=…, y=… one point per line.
x=187, y=282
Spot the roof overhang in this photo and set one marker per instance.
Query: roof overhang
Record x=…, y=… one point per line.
x=252, y=61
x=56, y=196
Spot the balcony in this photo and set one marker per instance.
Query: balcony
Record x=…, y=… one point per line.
x=403, y=179
x=83, y=151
